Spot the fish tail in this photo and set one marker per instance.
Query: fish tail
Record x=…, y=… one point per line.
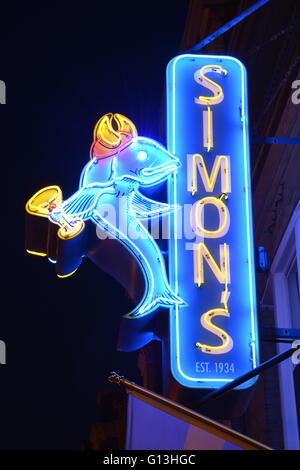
x=166, y=299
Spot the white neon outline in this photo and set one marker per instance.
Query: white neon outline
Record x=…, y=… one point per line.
x=249, y=223
x=165, y=208
x=78, y=214
x=142, y=155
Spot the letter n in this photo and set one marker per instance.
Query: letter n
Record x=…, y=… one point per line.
x=221, y=272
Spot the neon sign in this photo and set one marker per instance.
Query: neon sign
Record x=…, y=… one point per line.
x=120, y=163
x=214, y=338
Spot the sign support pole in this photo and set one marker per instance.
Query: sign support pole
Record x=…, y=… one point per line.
x=227, y=26
x=186, y=414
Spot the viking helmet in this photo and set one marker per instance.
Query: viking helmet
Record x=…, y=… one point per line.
x=107, y=139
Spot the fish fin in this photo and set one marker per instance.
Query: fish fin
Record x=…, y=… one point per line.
x=166, y=299
x=145, y=207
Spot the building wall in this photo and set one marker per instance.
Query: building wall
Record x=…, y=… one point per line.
x=274, y=200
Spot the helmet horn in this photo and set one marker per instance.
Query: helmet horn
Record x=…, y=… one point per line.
x=106, y=138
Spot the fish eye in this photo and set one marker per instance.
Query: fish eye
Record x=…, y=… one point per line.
x=142, y=155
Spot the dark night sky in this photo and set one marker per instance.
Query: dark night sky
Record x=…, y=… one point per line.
x=65, y=65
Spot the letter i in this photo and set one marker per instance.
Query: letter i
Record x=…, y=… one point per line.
x=208, y=129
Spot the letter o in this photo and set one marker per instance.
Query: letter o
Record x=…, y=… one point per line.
x=197, y=214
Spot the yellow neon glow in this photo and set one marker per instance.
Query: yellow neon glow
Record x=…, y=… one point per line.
x=36, y=253
x=227, y=342
x=125, y=125
x=109, y=138
x=105, y=131
x=210, y=84
x=67, y=275
x=197, y=214
x=209, y=101
x=221, y=163
x=225, y=293
x=39, y=203
x=222, y=273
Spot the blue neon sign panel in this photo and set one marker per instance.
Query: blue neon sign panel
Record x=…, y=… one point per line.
x=211, y=262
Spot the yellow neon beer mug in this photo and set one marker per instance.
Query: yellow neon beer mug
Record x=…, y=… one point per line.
x=46, y=239
x=44, y=201
x=37, y=223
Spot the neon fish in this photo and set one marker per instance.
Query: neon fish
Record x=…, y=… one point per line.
x=120, y=163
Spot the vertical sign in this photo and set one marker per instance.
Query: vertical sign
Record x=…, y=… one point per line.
x=214, y=337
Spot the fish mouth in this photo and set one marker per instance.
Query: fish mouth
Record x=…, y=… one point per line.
x=166, y=168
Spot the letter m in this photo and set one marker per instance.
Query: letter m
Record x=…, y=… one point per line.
x=196, y=164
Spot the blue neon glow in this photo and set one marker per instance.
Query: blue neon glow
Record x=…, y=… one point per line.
x=142, y=155
x=191, y=367
x=143, y=162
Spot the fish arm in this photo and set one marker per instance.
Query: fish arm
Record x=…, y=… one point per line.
x=79, y=205
x=144, y=207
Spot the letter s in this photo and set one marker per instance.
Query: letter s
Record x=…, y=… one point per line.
x=206, y=322
x=200, y=78
x=296, y=94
